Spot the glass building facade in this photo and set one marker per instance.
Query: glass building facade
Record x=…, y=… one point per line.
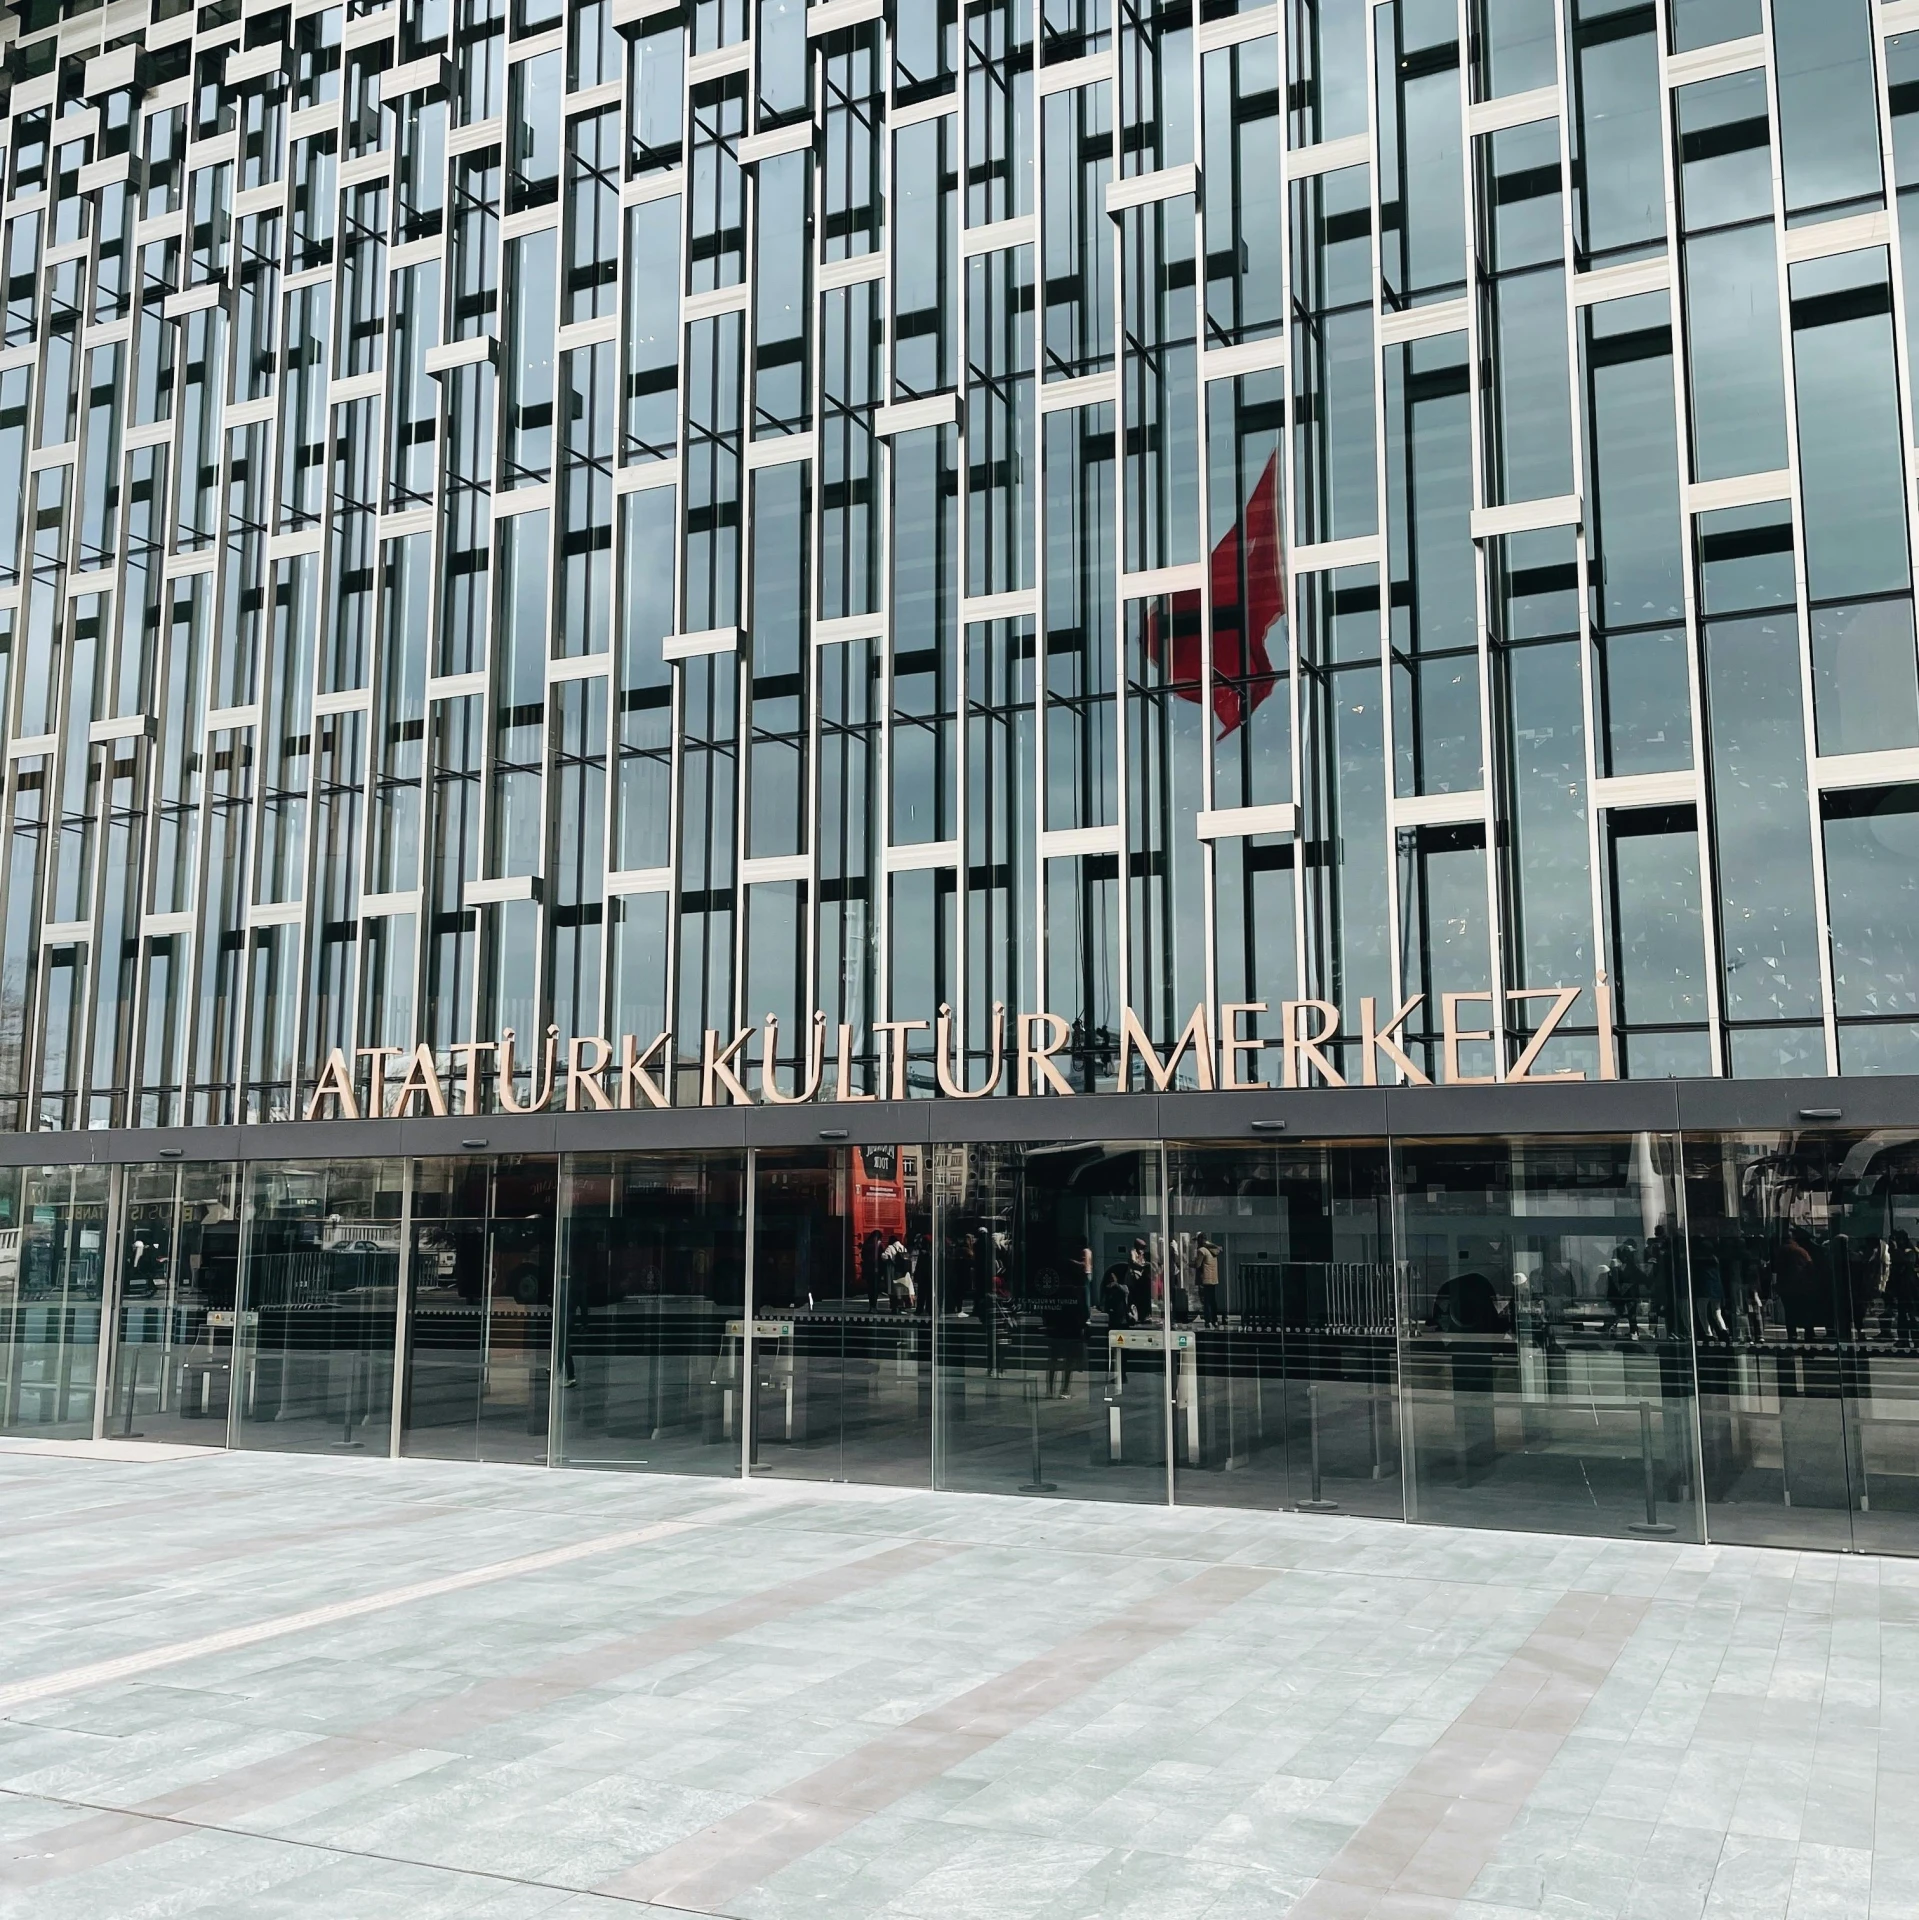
x=600, y=598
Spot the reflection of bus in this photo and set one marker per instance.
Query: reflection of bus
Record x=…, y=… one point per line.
x=879, y=1195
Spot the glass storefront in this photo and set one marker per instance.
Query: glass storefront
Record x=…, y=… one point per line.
x=1698, y=1337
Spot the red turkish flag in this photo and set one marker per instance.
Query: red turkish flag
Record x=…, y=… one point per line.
x=1243, y=672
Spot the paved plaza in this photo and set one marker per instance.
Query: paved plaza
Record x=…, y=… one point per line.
x=250, y=1686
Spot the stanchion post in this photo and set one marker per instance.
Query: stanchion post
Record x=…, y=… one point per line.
x=1039, y=1482
x=1652, y=1524
x=1318, y=1503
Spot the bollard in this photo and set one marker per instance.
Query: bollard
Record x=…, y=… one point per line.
x=1317, y=1504
x=1039, y=1482
x=1652, y=1522
x=346, y=1438
x=133, y=1385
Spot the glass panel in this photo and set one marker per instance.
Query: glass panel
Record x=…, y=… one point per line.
x=319, y=1288
x=1284, y=1384
x=841, y=1359
x=479, y=1340
x=53, y=1223
x=173, y=1341
x=1872, y=893
x=653, y=1265
x=1546, y=1345
x=1806, y=1280
x=1052, y=1321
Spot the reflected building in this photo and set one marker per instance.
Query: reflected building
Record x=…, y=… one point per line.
x=1121, y=751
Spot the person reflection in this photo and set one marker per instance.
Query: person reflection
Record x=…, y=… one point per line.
x=1797, y=1268
x=1625, y=1286
x=1062, y=1318
x=1902, y=1291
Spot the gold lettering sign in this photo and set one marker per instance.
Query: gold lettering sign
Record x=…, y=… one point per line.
x=600, y=1075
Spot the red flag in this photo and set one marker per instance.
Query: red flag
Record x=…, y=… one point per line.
x=1243, y=673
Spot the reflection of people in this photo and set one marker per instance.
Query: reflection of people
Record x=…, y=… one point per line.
x=1466, y=1304
x=1116, y=1294
x=1139, y=1281
x=1080, y=1264
x=1558, y=1289
x=1902, y=1290
x=896, y=1274
x=1798, y=1285
x=1625, y=1285
x=1709, y=1292
x=1063, y=1319
x=1206, y=1273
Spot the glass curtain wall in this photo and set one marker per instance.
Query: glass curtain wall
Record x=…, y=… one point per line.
x=179, y=1265
x=53, y=1226
x=1494, y=1332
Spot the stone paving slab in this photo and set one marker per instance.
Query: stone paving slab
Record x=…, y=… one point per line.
x=250, y=1686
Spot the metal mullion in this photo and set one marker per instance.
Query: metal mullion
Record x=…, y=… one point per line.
x=676, y=566
x=197, y=899
x=403, y=1315
x=1206, y=851
x=1580, y=419
x=1895, y=254
x=749, y=1389
x=1381, y=527
x=107, y=1347
x=1483, y=577
x=34, y=1032
x=1680, y=320
x=1122, y=703
x=1043, y=191
x=738, y=1012
x=1801, y=586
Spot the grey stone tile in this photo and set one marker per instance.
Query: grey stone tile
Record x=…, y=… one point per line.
x=1754, y=1751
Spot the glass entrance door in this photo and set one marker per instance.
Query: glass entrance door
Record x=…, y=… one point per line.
x=480, y=1327
x=1545, y=1340
x=1053, y=1334
x=317, y=1306
x=653, y=1257
x=56, y=1219
x=1285, y=1370
x=174, y=1313
x=1804, y=1263
x=840, y=1383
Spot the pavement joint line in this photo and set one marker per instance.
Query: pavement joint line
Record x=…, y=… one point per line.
x=351, y=1853
x=98, y=1673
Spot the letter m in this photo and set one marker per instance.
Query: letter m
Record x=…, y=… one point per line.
x=1198, y=1035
